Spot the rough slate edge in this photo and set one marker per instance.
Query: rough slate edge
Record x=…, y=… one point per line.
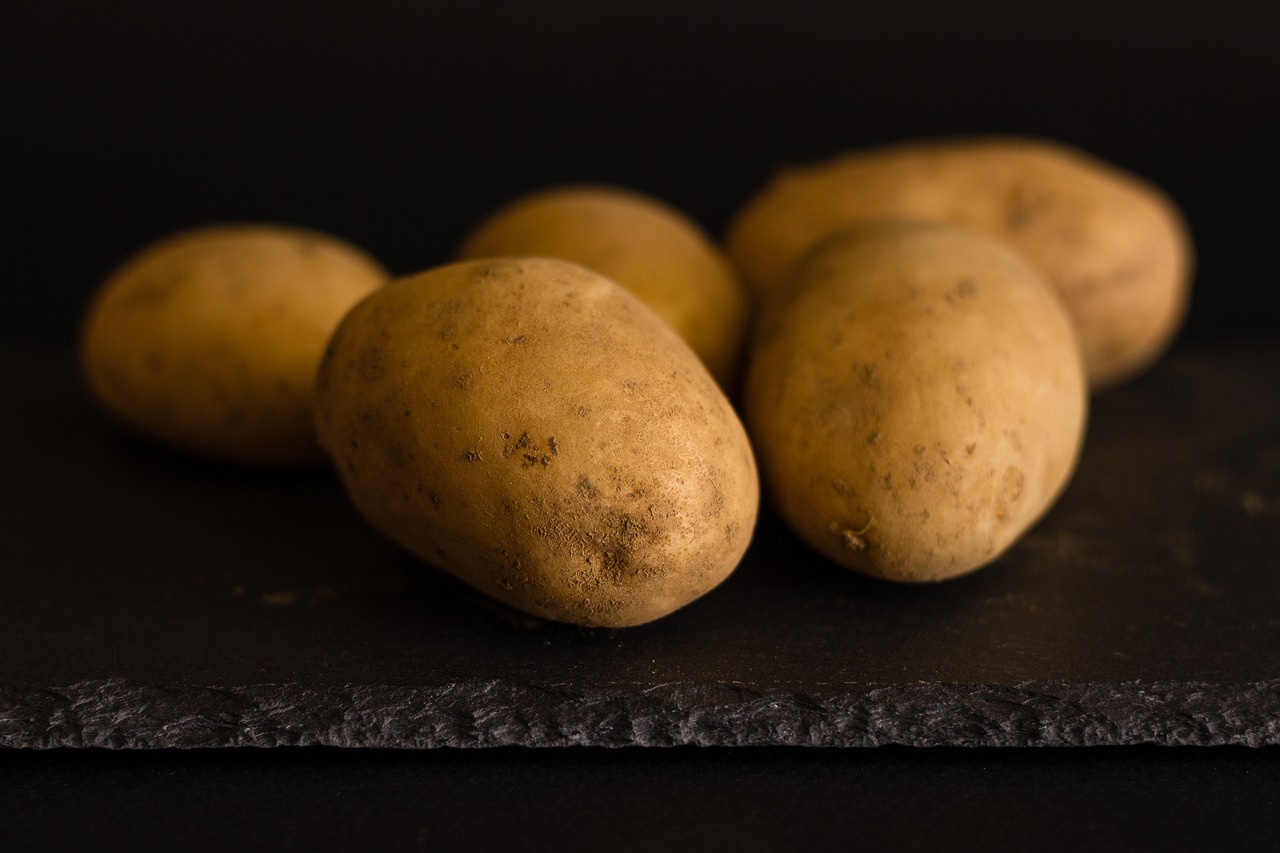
x=117, y=715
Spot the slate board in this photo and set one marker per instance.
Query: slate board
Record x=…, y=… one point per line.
x=149, y=600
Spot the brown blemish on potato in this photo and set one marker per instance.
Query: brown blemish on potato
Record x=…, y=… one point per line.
x=852, y=540
x=618, y=547
x=373, y=421
x=587, y=489
x=1027, y=205
x=373, y=364
x=473, y=456
x=1011, y=486
x=445, y=315
x=399, y=455
x=1013, y=483
x=607, y=545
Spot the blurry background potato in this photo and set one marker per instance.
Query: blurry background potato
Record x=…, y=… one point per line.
x=647, y=246
x=209, y=340
x=1113, y=246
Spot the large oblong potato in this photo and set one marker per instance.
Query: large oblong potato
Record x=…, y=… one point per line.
x=530, y=427
x=1114, y=246
x=209, y=340
x=647, y=246
x=918, y=403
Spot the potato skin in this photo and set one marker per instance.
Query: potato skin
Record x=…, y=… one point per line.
x=209, y=340
x=918, y=403
x=1115, y=247
x=647, y=246
x=533, y=429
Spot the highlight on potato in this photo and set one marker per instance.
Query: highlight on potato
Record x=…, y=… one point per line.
x=916, y=401
x=535, y=430
x=209, y=339
x=644, y=244
x=1114, y=246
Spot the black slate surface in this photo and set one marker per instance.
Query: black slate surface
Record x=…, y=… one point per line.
x=149, y=600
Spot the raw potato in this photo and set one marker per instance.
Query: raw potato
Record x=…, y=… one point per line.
x=533, y=429
x=918, y=404
x=1114, y=246
x=648, y=247
x=209, y=340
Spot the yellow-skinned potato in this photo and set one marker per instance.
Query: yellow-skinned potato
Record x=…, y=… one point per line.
x=209, y=340
x=919, y=401
x=647, y=246
x=1115, y=247
x=530, y=427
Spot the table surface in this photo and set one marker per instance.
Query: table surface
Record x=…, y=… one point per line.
x=148, y=599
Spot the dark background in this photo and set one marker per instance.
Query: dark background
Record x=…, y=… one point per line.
x=398, y=124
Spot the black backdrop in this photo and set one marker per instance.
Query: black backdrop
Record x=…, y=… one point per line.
x=398, y=124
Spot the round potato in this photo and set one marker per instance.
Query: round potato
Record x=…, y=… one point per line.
x=647, y=246
x=532, y=428
x=919, y=401
x=1113, y=246
x=209, y=340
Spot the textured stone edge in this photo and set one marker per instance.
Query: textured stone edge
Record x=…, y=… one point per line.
x=118, y=714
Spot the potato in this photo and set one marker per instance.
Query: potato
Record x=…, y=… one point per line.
x=1115, y=247
x=530, y=427
x=648, y=247
x=918, y=403
x=209, y=340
